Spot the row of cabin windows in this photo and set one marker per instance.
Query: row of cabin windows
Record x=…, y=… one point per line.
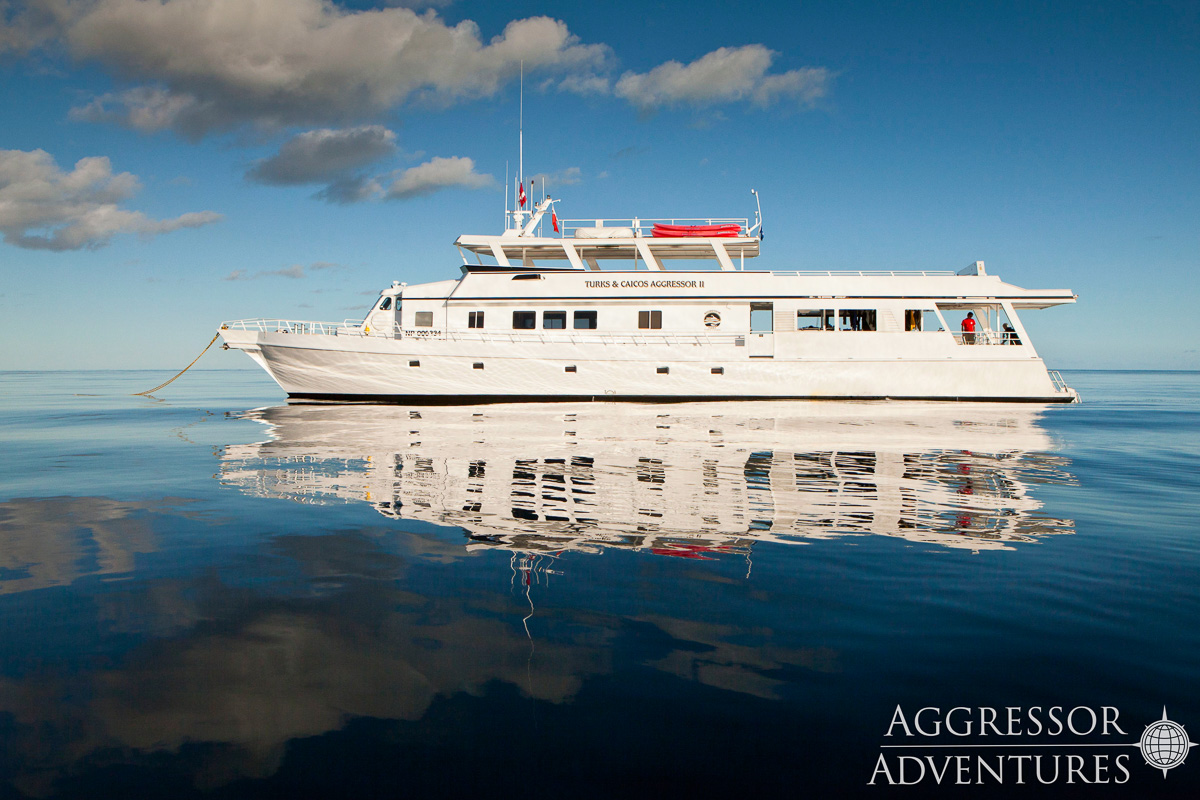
x=828, y=319
x=551, y=320
x=862, y=319
x=818, y=319
x=573, y=368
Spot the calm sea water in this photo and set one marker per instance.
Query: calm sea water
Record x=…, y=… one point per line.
x=213, y=594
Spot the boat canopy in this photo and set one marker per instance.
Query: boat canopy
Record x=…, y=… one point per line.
x=584, y=243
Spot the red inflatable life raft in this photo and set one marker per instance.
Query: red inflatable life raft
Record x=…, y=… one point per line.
x=673, y=231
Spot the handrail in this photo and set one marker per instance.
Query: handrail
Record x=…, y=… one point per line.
x=987, y=338
x=605, y=338
x=881, y=273
x=295, y=326
x=645, y=227
x=515, y=337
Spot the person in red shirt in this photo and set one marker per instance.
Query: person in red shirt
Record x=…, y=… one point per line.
x=968, y=328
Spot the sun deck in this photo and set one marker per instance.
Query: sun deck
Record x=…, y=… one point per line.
x=585, y=243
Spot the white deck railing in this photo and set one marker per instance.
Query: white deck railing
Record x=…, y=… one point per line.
x=883, y=273
x=297, y=326
x=606, y=338
x=988, y=337
x=645, y=227
x=543, y=336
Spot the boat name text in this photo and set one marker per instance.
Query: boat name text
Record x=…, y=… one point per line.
x=644, y=284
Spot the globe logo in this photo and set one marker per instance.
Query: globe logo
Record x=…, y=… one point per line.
x=1164, y=744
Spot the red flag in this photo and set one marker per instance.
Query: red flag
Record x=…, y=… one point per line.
x=554, y=220
x=521, y=195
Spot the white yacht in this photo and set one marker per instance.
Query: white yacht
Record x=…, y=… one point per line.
x=661, y=310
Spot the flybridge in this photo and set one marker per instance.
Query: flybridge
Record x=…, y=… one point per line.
x=584, y=244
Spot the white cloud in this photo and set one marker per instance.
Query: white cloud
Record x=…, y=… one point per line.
x=726, y=75
x=563, y=177
x=295, y=271
x=45, y=208
x=215, y=64
x=324, y=155
x=585, y=84
x=434, y=175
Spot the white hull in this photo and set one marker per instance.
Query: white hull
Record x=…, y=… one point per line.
x=348, y=368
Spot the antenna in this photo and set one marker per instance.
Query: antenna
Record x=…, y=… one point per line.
x=521, y=130
x=506, y=189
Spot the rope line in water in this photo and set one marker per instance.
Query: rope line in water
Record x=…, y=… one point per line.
x=185, y=369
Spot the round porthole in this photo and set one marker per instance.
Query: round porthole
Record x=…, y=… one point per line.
x=712, y=320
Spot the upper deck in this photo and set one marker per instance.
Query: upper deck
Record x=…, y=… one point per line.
x=583, y=244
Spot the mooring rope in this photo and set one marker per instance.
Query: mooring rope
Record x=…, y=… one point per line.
x=185, y=369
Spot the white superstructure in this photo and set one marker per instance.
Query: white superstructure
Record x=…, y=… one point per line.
x=661, y=310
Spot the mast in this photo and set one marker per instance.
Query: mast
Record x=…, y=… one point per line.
x=521, y=130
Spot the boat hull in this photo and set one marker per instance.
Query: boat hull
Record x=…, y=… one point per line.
x=432, y=371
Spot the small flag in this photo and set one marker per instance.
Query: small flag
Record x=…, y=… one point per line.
x=554, y=220
x=521, y=195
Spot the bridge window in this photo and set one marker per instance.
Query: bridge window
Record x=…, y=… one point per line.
x=650, y=319
x=857, y=319
x=814, y=319
x=585, y=320
x=475, y=319
x=556, y=320
x=524, y=320
x=423, y=319
x=386, y=304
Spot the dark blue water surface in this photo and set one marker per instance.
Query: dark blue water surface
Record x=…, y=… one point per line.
x=211, y=593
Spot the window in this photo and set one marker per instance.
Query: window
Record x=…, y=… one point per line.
x=857, y=319
x=474, y=319
x=554, y=320
x=524, y=320
x=718, y=370
x=650, y=319
x=921, y=319
x=424, y=319
x=571, y=368
x=386, y=304
x=585, y=320
x=819, y=319
x=477, y=365
x=414, y=363
x=663, y=370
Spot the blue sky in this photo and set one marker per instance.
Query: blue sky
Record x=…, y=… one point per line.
x=168, y=165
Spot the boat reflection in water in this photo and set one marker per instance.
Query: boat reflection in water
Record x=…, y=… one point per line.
x=676, y=480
